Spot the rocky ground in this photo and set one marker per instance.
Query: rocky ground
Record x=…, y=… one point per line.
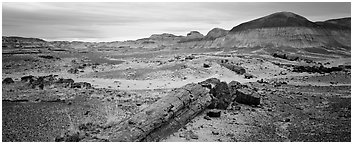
x=88, y=93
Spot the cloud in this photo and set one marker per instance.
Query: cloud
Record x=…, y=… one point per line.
x=130, y=20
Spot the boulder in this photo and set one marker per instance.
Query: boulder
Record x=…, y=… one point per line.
x=81, y=85
x=233, y=86
x=247, y=96
x=206, y=65
x=210, y=83
x=42, y=81
x=262, y=81
x=222, y=97
x=7, y=81
x=28, y=78
x=189, y=57
x=214, y=113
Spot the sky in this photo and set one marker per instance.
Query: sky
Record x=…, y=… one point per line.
x=130, y=21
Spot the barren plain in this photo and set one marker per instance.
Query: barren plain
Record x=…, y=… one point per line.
x=54, y=91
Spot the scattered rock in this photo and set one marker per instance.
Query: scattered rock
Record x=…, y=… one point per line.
x=286, y=120
x=248, y=76
x=233, y=86
x=215, y=133
x=207, y=117
x=236, y=107
x=87, y=112
x=214, y=113
x=70, y=137
x=8, y=81
x=287, y=57
x=46, y=56
x=262, y=81
x=138, y=104
x=73, y=71
x=206, y=65
x=65, y=82
x=191, y=135
x=283, y=73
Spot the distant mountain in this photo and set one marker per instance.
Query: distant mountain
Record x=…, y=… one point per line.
x=286, y=29
x=163, y=36
x=192, y=36
x=216, y=33
x=22, y=42
x=342, y=23
x=16, y=39
x=278, y=30
x=276, y=20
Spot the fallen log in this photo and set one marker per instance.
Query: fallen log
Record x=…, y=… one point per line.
x=165, y=116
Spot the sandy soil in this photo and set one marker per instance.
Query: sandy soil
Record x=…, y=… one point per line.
x=307, y=107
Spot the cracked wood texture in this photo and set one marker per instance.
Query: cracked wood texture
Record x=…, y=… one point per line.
x=165, y=116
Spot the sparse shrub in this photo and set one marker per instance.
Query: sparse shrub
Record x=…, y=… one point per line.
x=72, y=134
x=113, y=115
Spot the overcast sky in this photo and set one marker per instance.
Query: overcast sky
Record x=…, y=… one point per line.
x=129, y=21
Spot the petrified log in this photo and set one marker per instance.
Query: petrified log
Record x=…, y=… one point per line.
x=237, y=69
x=165, y=116
x=221, y=96
x=247, y=96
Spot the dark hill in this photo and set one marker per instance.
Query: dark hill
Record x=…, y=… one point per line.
x=342, y=23
x=14, y=39
x=280, y=19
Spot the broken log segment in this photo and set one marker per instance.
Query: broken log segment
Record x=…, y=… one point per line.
x=165, y=116
x=221, y=96
x=247, y=96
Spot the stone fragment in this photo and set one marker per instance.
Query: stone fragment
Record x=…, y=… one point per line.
x=214, y=113
x=247, y=96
